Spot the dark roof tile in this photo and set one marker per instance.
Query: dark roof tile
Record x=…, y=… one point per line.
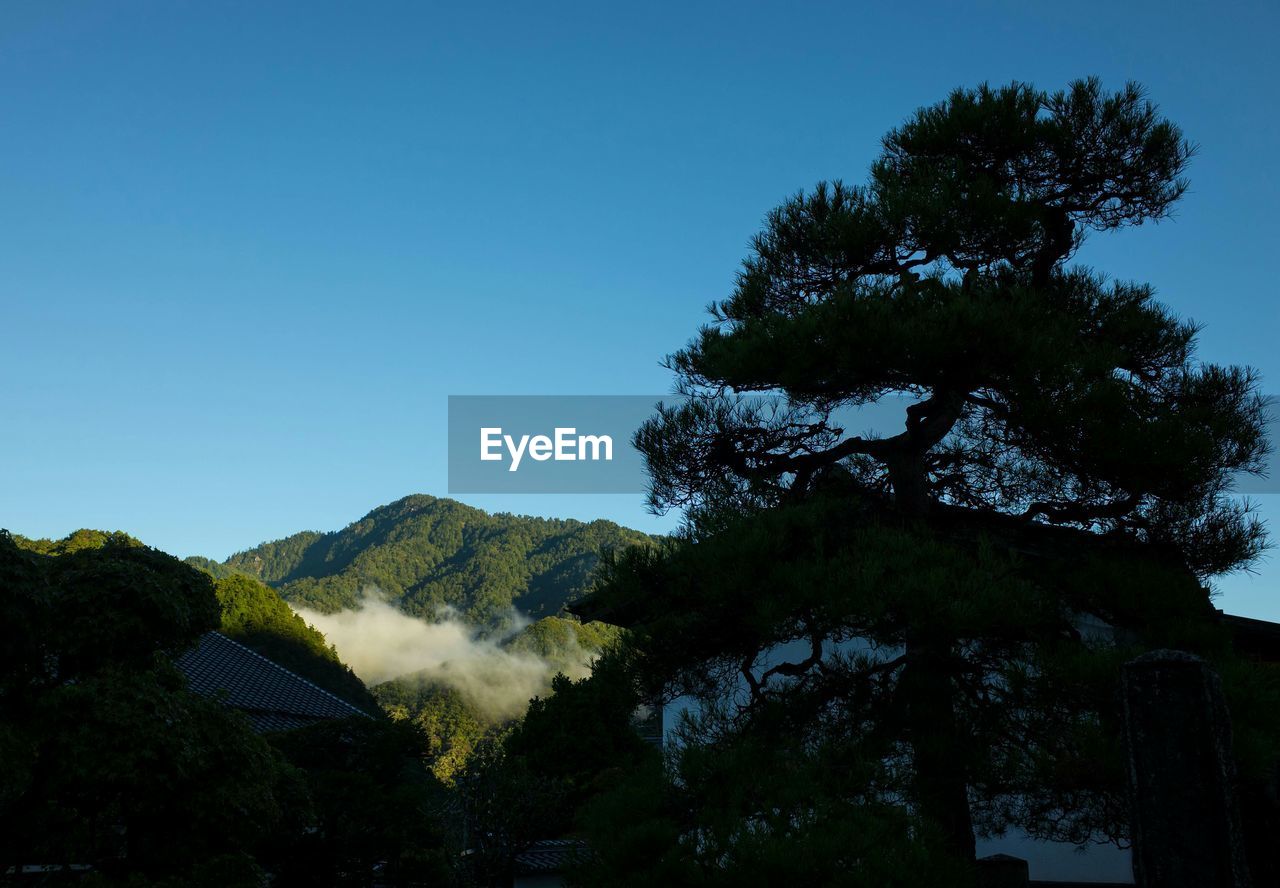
x=551, y=856
x=273, y=698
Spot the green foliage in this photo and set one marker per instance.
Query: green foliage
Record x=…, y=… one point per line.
x=582, y=737
x=425, y=554
x=835, y=569
x=280, y=560
x=186, y=780
x=564, y=642
x=107, y=760
x=212, y=568
x=454, y=726
x=375, y=805
x=451, y=726
x=256, y=616
x=104, y=599
x=652, y=830
x=252, y=613
x=1035, y=387
x=1036, y=708
x=76, y=541
x=773, y=806
x=525, y=781
x=498, y=809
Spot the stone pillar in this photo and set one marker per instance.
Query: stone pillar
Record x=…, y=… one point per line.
x=1186, y=821
x=1002, y=871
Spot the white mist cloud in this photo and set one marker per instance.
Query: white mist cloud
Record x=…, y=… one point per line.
x=380, y=642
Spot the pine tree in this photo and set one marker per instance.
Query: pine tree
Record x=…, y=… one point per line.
x=1061, y=453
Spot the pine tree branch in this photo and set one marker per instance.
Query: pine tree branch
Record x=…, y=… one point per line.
x=1080, y=513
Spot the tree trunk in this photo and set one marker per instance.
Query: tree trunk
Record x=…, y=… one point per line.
x=941, y=782
x=941, y=778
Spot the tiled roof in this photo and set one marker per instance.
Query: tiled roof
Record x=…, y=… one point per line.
x=1254, y=638
x=273, y=698
x=550, y=856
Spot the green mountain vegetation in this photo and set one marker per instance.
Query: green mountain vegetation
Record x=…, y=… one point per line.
x=450, y=724
x=564, y=642
x=215, y=569
x=424, y=554
x=453, y=725
x=255, y=615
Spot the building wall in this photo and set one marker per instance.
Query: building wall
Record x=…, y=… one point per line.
x=542, y=880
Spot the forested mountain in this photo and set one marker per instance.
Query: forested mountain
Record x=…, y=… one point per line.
x=424, y=553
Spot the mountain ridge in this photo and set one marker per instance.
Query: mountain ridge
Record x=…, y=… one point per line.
x=427, y=554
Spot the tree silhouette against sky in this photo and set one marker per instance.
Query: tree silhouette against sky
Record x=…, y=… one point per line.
x=1038, y=397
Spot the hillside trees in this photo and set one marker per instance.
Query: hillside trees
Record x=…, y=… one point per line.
x=375, y=807
x=256, y=616
x=454, y=722
x=426, y=554
x=450, y=725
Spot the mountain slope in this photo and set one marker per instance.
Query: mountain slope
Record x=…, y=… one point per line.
x=255, y=615
x=424, y=554
x=450, y=717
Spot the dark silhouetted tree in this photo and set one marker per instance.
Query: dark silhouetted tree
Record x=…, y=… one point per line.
x=1061, y=453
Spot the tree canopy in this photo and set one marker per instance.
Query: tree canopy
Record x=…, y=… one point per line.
x=942, y=608
x=1034, y=388
x=108, y=761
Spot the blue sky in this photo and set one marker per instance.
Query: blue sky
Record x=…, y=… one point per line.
x=250, y=248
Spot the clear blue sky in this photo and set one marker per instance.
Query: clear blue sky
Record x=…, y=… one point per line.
x=248, y=249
